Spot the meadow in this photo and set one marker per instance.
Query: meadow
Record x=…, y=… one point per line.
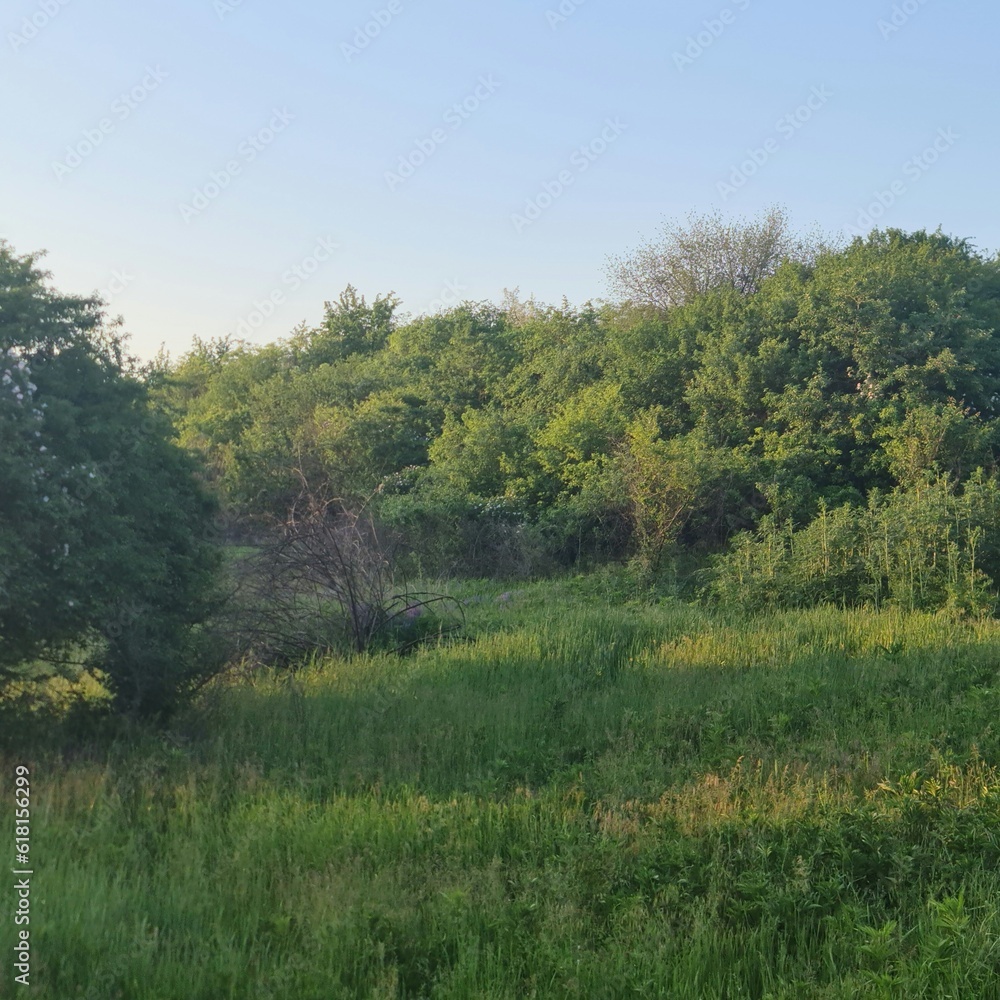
x=587, y=795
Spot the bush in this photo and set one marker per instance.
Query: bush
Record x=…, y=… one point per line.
x=927, y=548
x=325, y=581
x=443, y=532
x=106, y=555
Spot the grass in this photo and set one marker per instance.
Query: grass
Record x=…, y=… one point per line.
x=583, y=800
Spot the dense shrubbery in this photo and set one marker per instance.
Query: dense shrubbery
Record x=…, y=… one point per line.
x=521, y=439
x=922, y=549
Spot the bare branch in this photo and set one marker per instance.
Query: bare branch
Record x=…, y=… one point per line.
x=325, y=580
x=709, y=253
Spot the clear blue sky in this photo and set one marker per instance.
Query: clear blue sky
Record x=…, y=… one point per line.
x=205, y=77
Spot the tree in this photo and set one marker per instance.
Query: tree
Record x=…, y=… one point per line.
x=325, y=579
x=105, y=551
x=706, y=254
x=479, y=452
x=350, y=326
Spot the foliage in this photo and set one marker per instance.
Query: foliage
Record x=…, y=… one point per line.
x=521, y=439
x=925, y=548
x=669, y=482
x=706, y=254
x=106, y=557
x=447, y=533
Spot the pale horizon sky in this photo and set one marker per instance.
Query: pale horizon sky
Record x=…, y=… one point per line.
x=206, y=163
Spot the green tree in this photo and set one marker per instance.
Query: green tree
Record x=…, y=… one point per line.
x=105, y=531
x=350, y=326
x=480, y=452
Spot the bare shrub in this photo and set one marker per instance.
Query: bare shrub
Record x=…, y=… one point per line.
x=708, y=253
x=325, y=580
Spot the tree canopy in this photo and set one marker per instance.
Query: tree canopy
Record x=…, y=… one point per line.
x=106, y=557
x=607, y=430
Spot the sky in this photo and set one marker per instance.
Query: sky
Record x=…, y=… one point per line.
x=224, y=167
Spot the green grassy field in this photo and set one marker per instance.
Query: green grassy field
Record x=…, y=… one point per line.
x=578, y=801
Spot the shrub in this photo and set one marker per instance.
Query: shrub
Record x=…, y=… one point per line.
x=926, y=548
x=326, y=581
x=106, y=554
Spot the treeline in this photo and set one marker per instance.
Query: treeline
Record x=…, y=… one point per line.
x=787, y=422
x=749, y=391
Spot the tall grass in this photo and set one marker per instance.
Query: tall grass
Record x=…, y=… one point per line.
x=581, y=801
x=928, y=547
